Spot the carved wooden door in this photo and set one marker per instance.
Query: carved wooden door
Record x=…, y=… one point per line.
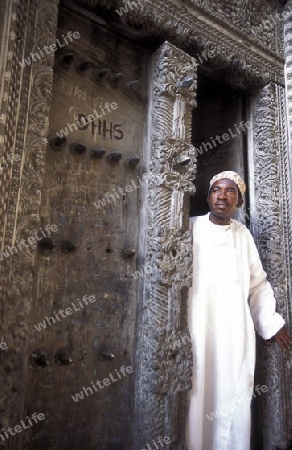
x=82, y=324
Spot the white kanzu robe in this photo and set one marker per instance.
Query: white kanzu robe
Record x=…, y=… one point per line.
x=230, y=297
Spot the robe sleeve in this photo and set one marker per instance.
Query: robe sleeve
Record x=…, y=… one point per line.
x=191, y=222
x=262, y=301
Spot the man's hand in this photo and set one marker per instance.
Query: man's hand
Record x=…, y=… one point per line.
x=282, y=338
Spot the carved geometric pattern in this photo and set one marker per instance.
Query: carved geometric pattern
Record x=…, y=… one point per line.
x=172, y=258
x=23, y=129
x=286, y=163
x=257, y=20
x=173, y=155
x=288, y=155
x=9, y=102
x=166, y=367
x=164, y=346
x=250, y=55
x=163, y=294
x=271, y=227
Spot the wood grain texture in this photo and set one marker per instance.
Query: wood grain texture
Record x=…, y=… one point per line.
x=74, y=183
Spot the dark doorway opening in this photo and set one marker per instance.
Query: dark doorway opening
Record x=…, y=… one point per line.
x=220, y=137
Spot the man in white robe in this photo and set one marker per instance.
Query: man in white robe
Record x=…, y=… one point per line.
x=230, y=296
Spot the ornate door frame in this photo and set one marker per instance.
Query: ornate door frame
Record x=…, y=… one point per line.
x=162, y=375
x=24, y=123
x=270, y=215
x=163, y=372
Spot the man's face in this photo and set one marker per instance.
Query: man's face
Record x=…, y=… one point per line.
x=223, y=199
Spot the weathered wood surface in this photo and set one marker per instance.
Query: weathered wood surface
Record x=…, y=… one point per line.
x=95, y=74
x=248, y=57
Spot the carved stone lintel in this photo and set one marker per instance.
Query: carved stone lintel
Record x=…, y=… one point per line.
x=257, y=21
x=246, y=48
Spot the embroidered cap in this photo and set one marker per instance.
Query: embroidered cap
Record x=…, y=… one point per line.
x=233, y=176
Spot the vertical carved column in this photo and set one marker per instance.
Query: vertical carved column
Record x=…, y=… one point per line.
x=288, y=75
x=26, y=92
x=164, y=368
x=271, y=226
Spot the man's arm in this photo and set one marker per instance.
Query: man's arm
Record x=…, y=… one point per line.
x=282, y=338
x=268, y=323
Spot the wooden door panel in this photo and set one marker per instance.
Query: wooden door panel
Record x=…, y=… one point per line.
x=91, y=193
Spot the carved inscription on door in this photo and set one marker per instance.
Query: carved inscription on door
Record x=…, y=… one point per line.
x=81, y=373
